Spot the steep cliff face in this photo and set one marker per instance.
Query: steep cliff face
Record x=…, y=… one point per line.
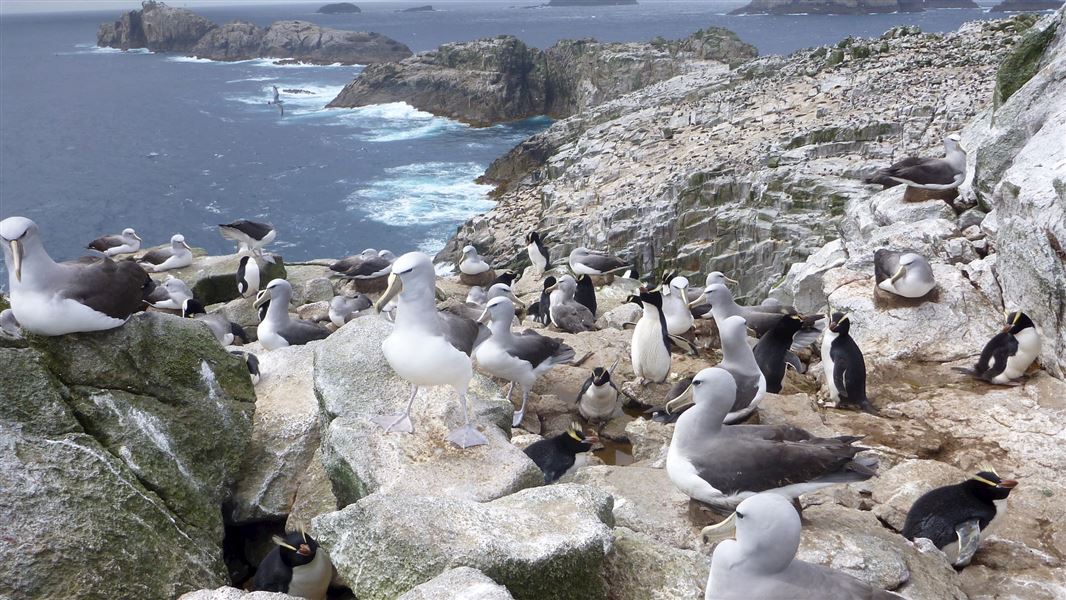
x=161, y=28
x=744, y=172
x=501, y=79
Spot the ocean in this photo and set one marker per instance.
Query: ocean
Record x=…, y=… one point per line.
x=95, y=140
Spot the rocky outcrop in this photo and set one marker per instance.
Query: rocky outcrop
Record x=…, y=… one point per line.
x=423, y=8
x=747, y=171
x=501, y=79
x=117, y=452
x=161, y=28
x=1026, y=5
x=823, y=7
x=461, y=583
x=338, y=8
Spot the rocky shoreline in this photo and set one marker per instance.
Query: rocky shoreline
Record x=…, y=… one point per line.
x=162, y=28
x=500, y=79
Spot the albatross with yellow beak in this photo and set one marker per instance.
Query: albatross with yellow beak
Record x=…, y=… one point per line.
x=50, y=298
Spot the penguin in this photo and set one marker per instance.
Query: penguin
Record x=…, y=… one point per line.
x=598, y=398
x=844, y=367
x=225, y=331
x=1009, y=353
x=247, y=275
x=298, y=566
x=252, y=361
x=954, y=517
x=541, y=310
x=538, y=252
x=557, y=455
x=507, y=278
x=586, y=293
x=650, y=349
x=771, y=350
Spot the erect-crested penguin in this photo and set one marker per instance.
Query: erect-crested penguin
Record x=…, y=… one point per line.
x=844, y=367
x=771, y=350
x=650, y=348
x=298, y=566
x=1009, y=353
x=586, y=293
x=599, y=399
x=247, y=274
x=251, y=360
x=954, y=517
x=538, y=252
x=557, y=455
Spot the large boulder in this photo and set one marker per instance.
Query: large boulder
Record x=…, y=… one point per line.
x=213, y=279
x=285, y=435
x=546, y=543
x=119, y=450
x=641, y=568
x=232, y=593
x=233, y=41
x=354, y=382
x=461, y=583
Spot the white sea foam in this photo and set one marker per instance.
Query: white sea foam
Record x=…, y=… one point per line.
x=394, y=121
x=423, y=194
x=267, y=78
x=295, y=104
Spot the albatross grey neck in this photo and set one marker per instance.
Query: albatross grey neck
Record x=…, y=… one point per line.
x=416, y=308
x=278, y=311
x=696, y=423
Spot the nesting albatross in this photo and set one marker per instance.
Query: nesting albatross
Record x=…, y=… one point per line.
x=126, y=242
x=427, y=348
x=945, y=173
x=761, y=561
x=904, y=274
x=585, y=262
x=49, y=298
x=722, y=465
x=177, y=256
x=278, y=329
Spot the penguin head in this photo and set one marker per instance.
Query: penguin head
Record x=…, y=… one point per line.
x=506, y=278
x=987, y=485
x=550, y=281
x=1017, y=321
x=296, y=548
x=839, y=323
x=532, y=237
x=191, y=307
x=600, y=376
x=576, y=440
x=652, y=297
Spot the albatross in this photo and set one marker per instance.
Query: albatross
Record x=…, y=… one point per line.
x=277, y=101
x=760, y=318
x=177, y=256
x=224, y=330
x=126, y=242
x=472, y=264
x=945, y=173
x=171, y=295
x=722, y=465
x=567, y=313
x=761, y=562
x=278, y=329
x=904, y=274
x=585, y=262
x=426, y=347
x=368, y=264
x=249, y=234
x=518, y=357
x=50, y=298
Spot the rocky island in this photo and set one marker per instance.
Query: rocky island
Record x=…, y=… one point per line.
x=500, y=79
x=1026, y=5
x=414, y=9
x=592, y=2
x=162, y=28
x=339, y=8
x=844, y=7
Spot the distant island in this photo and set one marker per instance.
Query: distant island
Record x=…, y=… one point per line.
x=591, y=2
x=850, y=7
x=1026, y=5
x=426, y=8
x=339, y=8
x=161, y=28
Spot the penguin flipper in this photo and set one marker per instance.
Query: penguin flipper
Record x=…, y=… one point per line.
x=791, y=360
x=969, y=533
x=999, y=356
x=685, y=345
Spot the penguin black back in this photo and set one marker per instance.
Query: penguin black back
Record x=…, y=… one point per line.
x=556, y=455
x=849, y=367
x=507, y=278
x=586, y=293
x=655, y=298
x=1001, y=347
x=771, y=349
x=275, y=572
x=544, y=314
x=940, y=513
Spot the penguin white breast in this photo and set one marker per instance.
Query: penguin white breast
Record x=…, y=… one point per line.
x=538, y=259
x=651, y=359
x=827, y=364
x=45, y=313
x=311, y=581
x=1028, y=349
x=599, y=402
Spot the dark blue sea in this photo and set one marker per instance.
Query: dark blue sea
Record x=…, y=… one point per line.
x=94, y=140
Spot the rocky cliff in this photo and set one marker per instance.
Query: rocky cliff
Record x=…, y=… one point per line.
x=161, y=28
x=501, y=79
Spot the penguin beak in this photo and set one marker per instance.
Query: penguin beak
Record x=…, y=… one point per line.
x=395, y=287
x=261, y=298
x=681, y=402
x=484, y=318
x=1009, y=484
x=899, y=274
x=591, y=438
x=721, y=531
x=698, y=301
x=304, y=550
x=16, y=254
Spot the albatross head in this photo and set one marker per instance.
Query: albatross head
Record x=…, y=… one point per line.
x=18, y=233
x=412, y=274
x=129, y=234
x=953, y=143
x=713, y=387
x=177, y=241
x=278, y=290
x=498, y=310
x=715, y=294
x=767, y=530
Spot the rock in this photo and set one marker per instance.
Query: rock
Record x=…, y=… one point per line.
x=619, y=316
x=645, y=501
x=650, y=440
x=319, y=289
x=461, y=583
x=231, y=593
x=890, y=207
x=424, y=8
x=102, y=447
x=822, y=7
x=544, y=543
x=316, y=311
x=285, y=435
x=592, y=2
x=1025, y=5
x=161, y=28
x=338, y=8
x=502, y=79
x=354, y=382
x=213, y=279
x=314, y=496
x=639, y=568
x=971, y=217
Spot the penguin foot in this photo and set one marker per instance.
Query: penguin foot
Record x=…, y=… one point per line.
x=390, y=423
x=516, y=419
x=466, y=437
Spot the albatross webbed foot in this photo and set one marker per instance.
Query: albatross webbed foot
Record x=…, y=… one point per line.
x=466, y=437
x=390, y=423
